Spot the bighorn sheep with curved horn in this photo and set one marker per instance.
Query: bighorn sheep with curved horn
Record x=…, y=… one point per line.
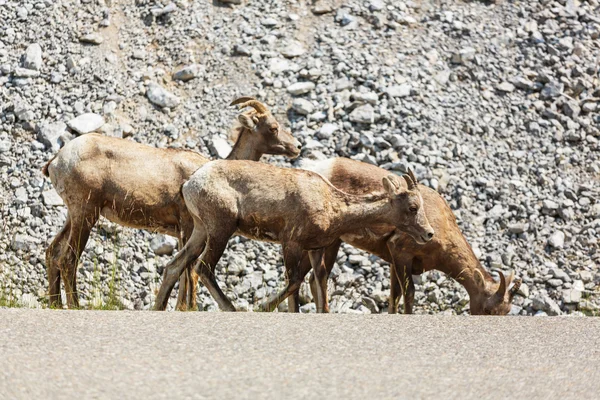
x=448, y=252
x=138, y=186
x=294, y=207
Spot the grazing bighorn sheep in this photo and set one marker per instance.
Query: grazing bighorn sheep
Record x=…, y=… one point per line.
x=138, y=186
x=448, y=252
x=297, y=208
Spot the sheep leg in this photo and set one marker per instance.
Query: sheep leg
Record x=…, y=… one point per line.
x=205, y=268
x=192, y=288
x=401, y=281
x=81, y=227
x=292, y=258
x=190, y=252
x=53, y=253
x=316, y=261
x=395, y=291
x=329, y=258
x=182, y=299
x=188, y=282
x=296, y=279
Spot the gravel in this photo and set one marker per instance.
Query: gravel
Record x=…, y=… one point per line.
x=493, y=104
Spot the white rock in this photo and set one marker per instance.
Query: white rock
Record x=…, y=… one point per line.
x=292, y=49
x=220, y=147
x=302, y=106
x=86, y=123
x=50, y=135
x=299, y=88
x=161, y=96
x=279, y=65
x=33, y=57
x=463, y=55
x=188, y=72
x=51, y=198
x=399, y=90
x=163, y=245
x=92, y=38
x=557, y=240
x=327, y=130
x=363, y=114
x=368, y=97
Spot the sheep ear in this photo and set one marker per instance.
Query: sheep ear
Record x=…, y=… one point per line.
x=391, y=184
x=246, y=121
x=479, y=279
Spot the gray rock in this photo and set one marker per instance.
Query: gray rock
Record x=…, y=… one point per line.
x=163, y=245
x=220, y=147
x=299, y=88
x=364, y=114
x=280, y=65
x=187, y=73
x=302, y=106
x=543, y=302
x=464, y=55
x=435, y=296
x=571, y=296
x=571, y=109
x=557, y=240
x=327, y=130
x=21, y=196
x=86, y=123
x=50, y=135
x=506, y=87
x=308, y=308
x=551, y=90
x=322, y=7
x=522, y=82
x=236, y=265
x=92, y=38
x=161, y=96
x=560, y=274
x=518, y=228
x=399, y=90
x=269, y=22
x=368, y=97
x=5, y=146
x=159, y=11
x=51, y=198
x=293, y=49
x=33, y=57
x=21, y=242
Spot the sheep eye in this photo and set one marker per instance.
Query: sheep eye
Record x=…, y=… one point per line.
x=413, y=209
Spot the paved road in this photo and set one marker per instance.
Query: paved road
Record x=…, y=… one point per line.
x=102, y=354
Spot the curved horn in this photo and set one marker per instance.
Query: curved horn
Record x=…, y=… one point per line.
x=515, y=288
x=240, y=100
x=409, y=182
x=502, y=288
x=412, y=175
x=257, y=105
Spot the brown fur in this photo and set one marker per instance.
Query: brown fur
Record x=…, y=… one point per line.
x=136, y=186
x=448, y=252
x=297, y=208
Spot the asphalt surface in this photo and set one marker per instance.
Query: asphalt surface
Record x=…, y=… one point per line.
x=47, y=354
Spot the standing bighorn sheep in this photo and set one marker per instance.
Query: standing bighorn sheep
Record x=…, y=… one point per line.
x=297, y=208
x=138, y=186
x=448, y=252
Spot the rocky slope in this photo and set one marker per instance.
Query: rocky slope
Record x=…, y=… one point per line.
x=493, y=104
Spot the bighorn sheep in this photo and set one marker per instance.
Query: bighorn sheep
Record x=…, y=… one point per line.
x=138, y=186
x=297, y=208
x=448, y=252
